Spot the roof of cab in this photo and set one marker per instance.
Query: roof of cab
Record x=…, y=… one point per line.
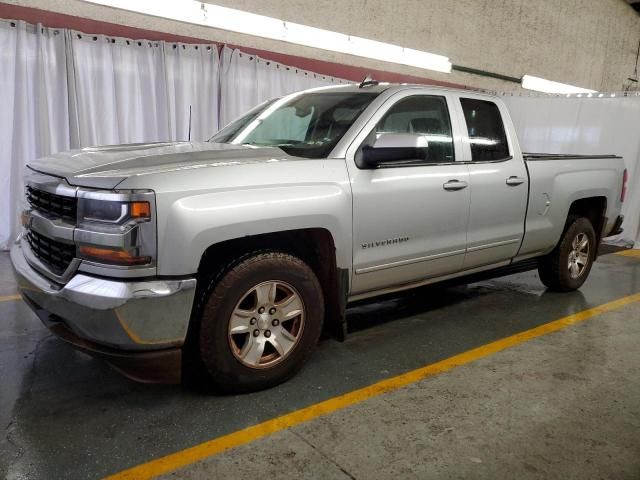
x=394, y=87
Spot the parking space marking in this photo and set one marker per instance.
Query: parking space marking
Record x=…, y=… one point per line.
x=634, y=253
x=9, y=298
x=212, y=447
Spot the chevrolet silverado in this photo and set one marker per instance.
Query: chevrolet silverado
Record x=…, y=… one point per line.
x=228, y=256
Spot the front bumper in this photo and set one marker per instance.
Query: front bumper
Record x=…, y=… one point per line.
x=138, y=326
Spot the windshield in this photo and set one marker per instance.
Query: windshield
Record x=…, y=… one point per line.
x=306, y=125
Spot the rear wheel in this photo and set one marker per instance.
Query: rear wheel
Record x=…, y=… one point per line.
x=568, y=266
x=260, y=322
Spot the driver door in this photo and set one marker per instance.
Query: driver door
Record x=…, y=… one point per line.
x=409, y=218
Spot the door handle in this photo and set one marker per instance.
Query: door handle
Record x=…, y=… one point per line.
x=454, y=185
x=513, y=181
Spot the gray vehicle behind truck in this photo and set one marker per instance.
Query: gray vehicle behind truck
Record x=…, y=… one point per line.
x=228, y=257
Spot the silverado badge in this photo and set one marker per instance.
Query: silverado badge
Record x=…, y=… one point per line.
x=383, y=243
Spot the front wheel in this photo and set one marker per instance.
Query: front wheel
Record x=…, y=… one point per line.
x=261, y=322
x=568, y=266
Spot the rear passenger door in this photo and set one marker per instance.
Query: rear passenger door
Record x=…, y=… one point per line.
x=498, y=183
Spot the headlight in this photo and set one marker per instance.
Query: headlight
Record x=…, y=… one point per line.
x=114, y=212
x=116, y=228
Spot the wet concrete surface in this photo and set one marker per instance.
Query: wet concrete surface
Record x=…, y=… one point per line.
x=558, y=407
x=66, y=415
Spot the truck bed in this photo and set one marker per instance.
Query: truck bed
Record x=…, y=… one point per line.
x=556, y=181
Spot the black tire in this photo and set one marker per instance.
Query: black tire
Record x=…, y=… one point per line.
x=225, y=370
x=554, y=269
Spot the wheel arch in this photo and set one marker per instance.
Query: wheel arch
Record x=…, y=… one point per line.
x=315, y=246
x=595, y=210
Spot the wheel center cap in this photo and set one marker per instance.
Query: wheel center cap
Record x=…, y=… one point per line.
x=263, y=321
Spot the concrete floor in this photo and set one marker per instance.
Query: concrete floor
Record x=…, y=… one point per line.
x=566, y=405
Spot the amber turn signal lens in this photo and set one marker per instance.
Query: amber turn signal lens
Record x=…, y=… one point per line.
x=112, y=256
x=140, y=210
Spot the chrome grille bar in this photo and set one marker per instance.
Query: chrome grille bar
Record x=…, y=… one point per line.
x=52, y=205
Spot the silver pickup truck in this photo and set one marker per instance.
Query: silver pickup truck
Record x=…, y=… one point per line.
x=228, y=257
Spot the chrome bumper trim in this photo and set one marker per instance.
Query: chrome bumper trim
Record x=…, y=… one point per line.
x=116, y=271
x=135, y=315
x=124, y=239
x=55, y=229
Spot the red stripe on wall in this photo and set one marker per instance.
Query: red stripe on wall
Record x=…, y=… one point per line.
x=85, y=25
x=348, y=72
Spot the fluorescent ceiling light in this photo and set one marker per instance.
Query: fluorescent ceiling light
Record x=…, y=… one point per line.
x=233, y=20
x=547, y=86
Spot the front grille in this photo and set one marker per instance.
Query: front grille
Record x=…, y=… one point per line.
x=55, y=255
x=50, y=204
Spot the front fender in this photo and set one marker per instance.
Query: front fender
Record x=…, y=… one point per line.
x=191, y=224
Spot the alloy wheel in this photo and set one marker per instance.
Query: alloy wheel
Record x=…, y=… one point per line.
x=579, y=255
x=266, y=324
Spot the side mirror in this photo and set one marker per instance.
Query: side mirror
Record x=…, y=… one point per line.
x=394, y=147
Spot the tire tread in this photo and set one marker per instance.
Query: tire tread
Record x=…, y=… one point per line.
x=212, y=300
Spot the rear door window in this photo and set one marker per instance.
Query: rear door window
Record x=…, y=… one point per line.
x=487, y=136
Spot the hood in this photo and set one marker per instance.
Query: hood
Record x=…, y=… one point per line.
x=105, y=167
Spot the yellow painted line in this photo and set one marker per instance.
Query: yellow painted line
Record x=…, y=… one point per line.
x=9, y=298
x=635, y=253
x=199, y=452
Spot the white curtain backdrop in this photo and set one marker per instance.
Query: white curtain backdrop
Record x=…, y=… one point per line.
x=130, y=91
x=34, y=118
x=248, y=80
x=596, y=125
x=120, y=90
x=192, y=80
